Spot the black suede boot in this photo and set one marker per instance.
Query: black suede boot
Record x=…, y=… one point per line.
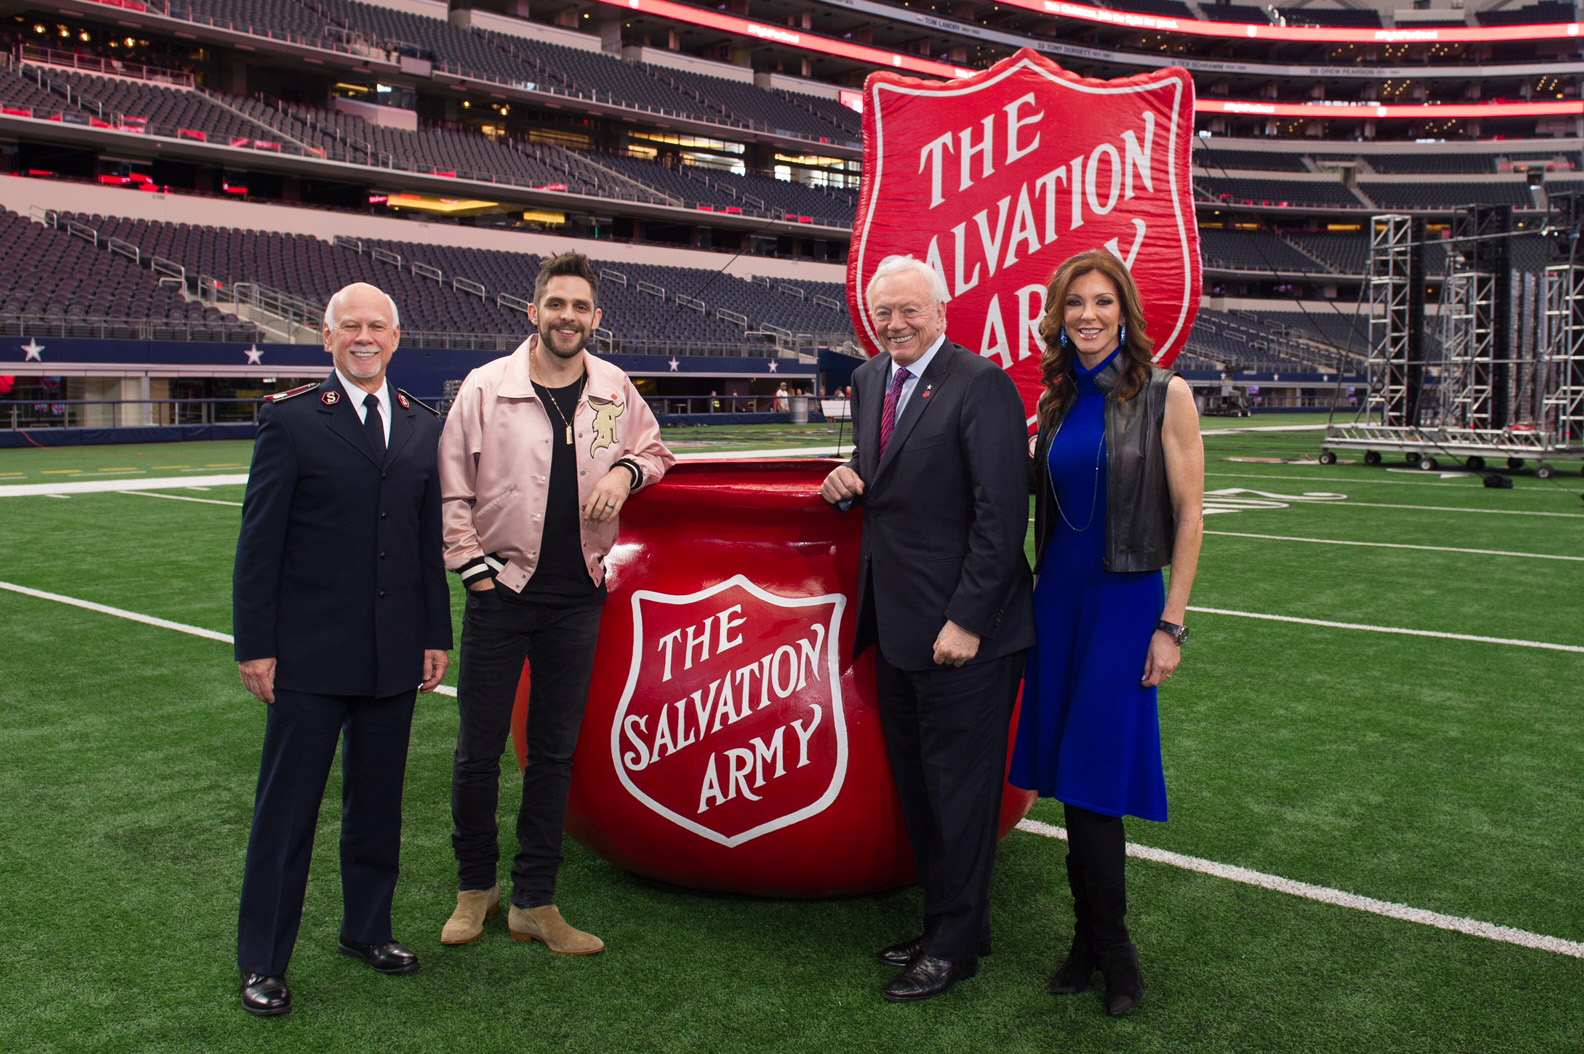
x=1119, y=962
x=1074, y=975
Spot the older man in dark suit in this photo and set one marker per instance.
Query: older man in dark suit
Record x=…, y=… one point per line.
x=342, y=615
x=942, y=471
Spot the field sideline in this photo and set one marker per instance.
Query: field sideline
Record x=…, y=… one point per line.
x=1374, y=752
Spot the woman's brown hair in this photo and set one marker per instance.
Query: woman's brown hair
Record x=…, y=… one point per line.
x=1056, y=366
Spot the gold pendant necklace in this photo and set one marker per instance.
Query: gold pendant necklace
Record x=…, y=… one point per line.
x=576, y=394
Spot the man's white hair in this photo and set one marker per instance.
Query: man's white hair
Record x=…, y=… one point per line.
x=333, y=308
x=901, y=265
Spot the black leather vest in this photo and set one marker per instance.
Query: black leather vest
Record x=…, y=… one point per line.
x=1140, y=524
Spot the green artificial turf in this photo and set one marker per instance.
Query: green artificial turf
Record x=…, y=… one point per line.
x=1442, y=774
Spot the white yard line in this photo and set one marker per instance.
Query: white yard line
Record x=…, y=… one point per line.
x=105, y=609
x=1337, y=479
x=1261, y=428
x=100, y=486
x=1339, y=898
x=147, y=620
x=1449, y=508
x=1390, y=545
x=178, y=497
x=1364, y=627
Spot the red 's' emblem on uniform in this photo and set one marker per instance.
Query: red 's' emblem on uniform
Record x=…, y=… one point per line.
x=401, y=397
x=731, y=724
x=330, y=398
x=997, y=178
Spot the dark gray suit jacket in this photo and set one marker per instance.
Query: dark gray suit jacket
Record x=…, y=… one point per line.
x=945, y=511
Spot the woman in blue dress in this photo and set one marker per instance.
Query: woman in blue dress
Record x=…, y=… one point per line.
x=1119, y=494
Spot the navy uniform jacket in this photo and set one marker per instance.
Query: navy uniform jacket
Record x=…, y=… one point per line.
x=338, y=572
x=945, y=510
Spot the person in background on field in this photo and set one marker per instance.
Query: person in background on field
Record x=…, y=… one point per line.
x=342, y=616
x=541, y=450
x=1119, y=493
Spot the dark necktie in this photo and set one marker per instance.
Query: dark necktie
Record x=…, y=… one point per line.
x=893, y=396
x=374, y=425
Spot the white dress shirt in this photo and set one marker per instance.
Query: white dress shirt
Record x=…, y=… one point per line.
x=356, y=394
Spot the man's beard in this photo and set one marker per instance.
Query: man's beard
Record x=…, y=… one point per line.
x=547, y=338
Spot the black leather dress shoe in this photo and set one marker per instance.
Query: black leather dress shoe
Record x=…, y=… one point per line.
x=389, y=957
x=899, y=955
x=265, y=996
x=927, y=977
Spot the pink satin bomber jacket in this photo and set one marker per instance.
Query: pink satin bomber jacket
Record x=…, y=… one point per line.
x=495, y=462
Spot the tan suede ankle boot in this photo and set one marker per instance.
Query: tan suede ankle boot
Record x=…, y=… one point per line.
x=466, y=923
x=545, y=924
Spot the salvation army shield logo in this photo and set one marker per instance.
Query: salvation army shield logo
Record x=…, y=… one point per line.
x=731, y=724
x=997, y=178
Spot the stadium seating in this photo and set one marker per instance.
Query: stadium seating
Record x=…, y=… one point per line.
x=160, y=109
x=56, y=280
x=1245, y=190
x=1338, y=17
x=279, y=19
x=1440, y=163
x=1244, y=13
x=1216, y=160
x=1538, y=13
x=1420, y=195
x=1253, y=251
x=452, y=297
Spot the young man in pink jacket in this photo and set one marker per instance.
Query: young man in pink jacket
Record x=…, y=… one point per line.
x=540, y=451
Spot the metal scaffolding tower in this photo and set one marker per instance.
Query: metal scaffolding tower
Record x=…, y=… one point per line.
x=1507, y=384
x=1395, y=362
x=1562, y=363
x=1475, y=318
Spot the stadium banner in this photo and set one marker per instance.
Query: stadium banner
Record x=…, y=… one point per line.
x=996, y=178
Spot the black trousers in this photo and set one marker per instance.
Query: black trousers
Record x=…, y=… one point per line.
x=558, y=643
x=300, y=736
x=946, y=734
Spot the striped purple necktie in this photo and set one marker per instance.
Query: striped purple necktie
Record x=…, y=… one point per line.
x=893, y=396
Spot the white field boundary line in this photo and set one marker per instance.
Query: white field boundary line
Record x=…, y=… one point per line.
x=202, y=501
x=1405, y=482
x=1473, y=927
x=100, y=486
x=1261, y=428
x=1336, y=897
x=1452, y=508
x=1512, y=642
x=1340, y=541
x=146, y=620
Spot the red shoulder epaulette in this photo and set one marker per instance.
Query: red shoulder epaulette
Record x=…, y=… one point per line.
x=405, y=397
x=282, y=396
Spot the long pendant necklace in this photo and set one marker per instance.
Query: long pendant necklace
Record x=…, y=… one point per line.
x=1094, y=499
x=577, y=393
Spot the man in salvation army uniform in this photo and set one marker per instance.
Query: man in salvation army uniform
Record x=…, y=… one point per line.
x=342, y=615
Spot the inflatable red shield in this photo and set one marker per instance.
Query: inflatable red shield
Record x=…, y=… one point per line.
x=730, y=741
x=997, y=178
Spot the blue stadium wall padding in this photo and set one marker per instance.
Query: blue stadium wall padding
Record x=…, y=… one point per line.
x=421, y=371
